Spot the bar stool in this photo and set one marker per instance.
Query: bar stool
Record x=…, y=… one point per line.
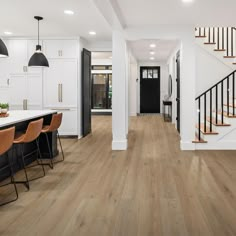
x=32, y=133
x=53, y=127
x=6, y=141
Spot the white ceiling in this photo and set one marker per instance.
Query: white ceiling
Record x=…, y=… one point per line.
x=17, y=16
x=141, y=49
x=135, y=13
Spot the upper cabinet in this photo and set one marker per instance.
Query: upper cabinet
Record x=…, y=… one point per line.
x=17, y=59
x=60, y=48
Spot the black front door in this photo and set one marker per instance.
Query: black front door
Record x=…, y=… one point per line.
x=150, y=89
x=86, y=92
x=178, y=90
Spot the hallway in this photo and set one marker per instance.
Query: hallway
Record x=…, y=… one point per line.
x=150, y=190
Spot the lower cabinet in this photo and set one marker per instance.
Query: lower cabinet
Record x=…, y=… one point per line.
x=69, y=126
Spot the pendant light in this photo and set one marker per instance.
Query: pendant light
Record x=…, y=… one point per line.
x=3, y=49
x=38, y=59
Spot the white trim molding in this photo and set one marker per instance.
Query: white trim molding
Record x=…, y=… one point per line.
x=120, y=145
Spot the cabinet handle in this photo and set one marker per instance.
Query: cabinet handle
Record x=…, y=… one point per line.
x=25, y=68
x=8, y=82
x=59, y=100
x=61, y=93
x=25, y=104
x=61, y=53
x=58, y=52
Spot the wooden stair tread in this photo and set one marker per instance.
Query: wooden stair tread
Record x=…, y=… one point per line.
x=226, y=115
x=219, y=50
x=219, y=122
x=230, y=105
x=210, y=43
x=200, y=36
x=208, y=132
x=229, y=56
x=197, y=140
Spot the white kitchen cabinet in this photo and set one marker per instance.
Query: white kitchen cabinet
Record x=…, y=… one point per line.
x=69, y=122
x=60, y=48
x=60, y=83
x=17, y=59
x=34, y=91
x=17, y=91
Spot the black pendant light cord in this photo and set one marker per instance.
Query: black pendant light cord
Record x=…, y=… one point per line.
x=38, y=32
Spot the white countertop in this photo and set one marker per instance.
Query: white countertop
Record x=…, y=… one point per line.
x=23, y=115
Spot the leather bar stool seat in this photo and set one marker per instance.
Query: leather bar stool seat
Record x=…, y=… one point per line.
x=31, y=135
x=53, y=127
x=6, y=142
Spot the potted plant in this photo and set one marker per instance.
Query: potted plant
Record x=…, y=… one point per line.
x=4, y=107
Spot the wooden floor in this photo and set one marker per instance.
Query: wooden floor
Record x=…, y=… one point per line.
x=150, y=190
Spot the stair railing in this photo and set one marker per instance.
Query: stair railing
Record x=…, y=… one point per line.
x=223, y=37
x=214, y=98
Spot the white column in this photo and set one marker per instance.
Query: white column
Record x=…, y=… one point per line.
x=187, y=93
x=119, y=92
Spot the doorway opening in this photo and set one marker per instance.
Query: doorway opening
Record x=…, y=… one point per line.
x=101, y=83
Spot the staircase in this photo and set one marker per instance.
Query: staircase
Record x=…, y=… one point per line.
x=216, y=107
x=221, y=41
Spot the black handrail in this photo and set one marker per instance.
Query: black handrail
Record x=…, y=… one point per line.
x=215, y=85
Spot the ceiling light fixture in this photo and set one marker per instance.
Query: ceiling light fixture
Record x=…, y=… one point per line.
x=38, y=59
x=152, y=52
x=92, y=33
x=152, y=45
x=152, y=58
x=8, y=33
x=69, y=12
x=3, y=49
x=187, y=1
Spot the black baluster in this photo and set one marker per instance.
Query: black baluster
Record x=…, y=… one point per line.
x=223, y=38
x=218, y=38
x=227, y=40
x=216, y=104
x=222, y=102
x=199, y=119
x=205, y=113
x=228, y=96
x=213, y=34
x=232, y=43
x=209, y=35
x=211, y=110
x=233, y=92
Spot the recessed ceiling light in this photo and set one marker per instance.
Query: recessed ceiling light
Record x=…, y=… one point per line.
x=152, y=58
x=152, y=53
x=152, y=45
x=187, y=1
x=92, y=33
x=8, y=33
x=69, y=12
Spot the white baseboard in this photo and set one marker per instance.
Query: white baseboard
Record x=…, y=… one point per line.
x=227, y=145
x=120, y=145
x=184, y=146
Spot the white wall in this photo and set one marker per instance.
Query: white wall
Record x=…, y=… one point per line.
x=209, y=70
x=163, y=82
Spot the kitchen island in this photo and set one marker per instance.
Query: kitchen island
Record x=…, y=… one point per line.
x=20, y=119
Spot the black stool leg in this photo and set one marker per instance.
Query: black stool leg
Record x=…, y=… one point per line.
x=39, y=157
x=12, y=182
x=63, y=158
x=50, y=151
x=24, y=167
